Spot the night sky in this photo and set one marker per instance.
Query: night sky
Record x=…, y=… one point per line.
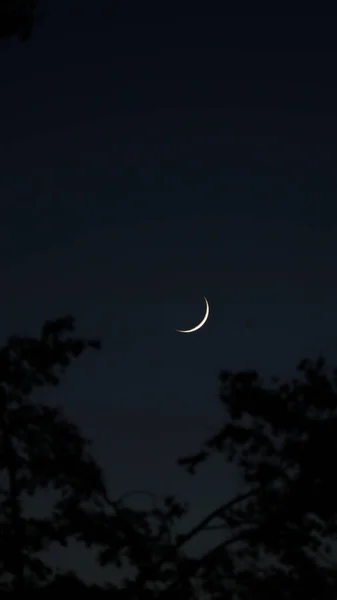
x=148, y=161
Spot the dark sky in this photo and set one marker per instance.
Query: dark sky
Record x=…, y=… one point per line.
x=146, y=162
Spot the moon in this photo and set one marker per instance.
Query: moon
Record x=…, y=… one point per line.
x=201, y=322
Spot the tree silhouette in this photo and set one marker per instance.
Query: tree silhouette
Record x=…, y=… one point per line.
x=40, y=449
x=17, y=18
x=278, y=536
x=144, y=543
x=278, y=533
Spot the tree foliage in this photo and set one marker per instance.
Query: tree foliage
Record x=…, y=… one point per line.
x=279, y=532
x=276, y=537
x=40, y=450
x=278, y=541
x=17, y=18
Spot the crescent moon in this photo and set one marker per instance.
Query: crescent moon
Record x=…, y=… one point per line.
x=201, y=322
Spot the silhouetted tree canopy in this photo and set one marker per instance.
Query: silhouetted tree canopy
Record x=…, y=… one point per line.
x=17, y=18
x=280, y=540
x=277, y=535
x=40, y=449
